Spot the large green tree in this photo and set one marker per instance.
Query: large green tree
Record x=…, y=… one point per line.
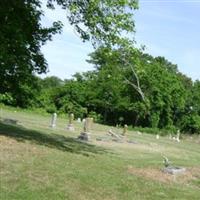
x=22, y=35
x=21, y=38
x=104, y=22
x=144, y=90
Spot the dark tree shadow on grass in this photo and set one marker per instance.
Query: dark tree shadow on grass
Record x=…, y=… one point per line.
x=52, y=140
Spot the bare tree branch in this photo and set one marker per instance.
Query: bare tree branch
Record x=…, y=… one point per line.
x=136, y=87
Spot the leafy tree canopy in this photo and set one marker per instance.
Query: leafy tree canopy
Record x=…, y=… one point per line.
x=101, y=21
x=22, y=34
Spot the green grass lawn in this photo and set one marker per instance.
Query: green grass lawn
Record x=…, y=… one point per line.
x=38, y=162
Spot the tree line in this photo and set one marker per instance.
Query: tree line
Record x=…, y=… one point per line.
x=109, y=93
x=126, y=85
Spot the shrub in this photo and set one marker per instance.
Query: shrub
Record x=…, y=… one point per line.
x=97, y=117
x=191, y=124
x=6, y=99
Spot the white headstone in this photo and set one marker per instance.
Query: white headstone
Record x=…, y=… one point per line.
x=85, y=135
x=138, y=132
x=53, y=120
x=157, y=136
x=70, y=126
x=88, y=124
x=178, y=136
x=125, y=129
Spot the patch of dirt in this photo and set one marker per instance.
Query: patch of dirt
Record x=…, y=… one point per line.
x=6, y=140
x=11, y=146
x=191, y=174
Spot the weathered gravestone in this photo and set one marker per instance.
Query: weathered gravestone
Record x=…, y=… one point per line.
x=88, y=124
x=174, y=170
x=85, y=135
x=125, y=130
x=70, y=126
x=53, y=120
x=139, y=133
x=10, y=121
x=178, y=136
x=169, y=169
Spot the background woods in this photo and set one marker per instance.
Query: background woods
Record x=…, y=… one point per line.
x=127, y=86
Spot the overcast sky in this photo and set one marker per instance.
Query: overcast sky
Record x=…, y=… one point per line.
x=169, y=28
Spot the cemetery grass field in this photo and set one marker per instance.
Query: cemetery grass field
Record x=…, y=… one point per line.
x=38, y=162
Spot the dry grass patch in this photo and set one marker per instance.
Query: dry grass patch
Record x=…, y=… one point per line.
x=10, y=145
x=191, y=174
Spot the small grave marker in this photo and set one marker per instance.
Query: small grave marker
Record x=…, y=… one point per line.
x=53, y=120
x=70, y=126
x=169, y=169
x=178, y=136
x=85, y=135
x=125, y=129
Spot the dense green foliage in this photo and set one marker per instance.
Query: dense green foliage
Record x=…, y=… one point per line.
x=21, y=37
x=172, y=100
x=101, y=21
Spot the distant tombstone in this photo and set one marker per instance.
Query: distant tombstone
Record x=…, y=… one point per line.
x=166, y=161
x=157, y=136
x=53, y=120
x=88, y=125
x=170, y=136
x=79, y=120
x=85, y=135
x=174, y=170
x=178, y=136
x=138, y=132
x=70, y=126
x=125, y=129
x=116, y=136
x=10, y=121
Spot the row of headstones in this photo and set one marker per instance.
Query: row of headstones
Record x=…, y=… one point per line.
x=86, y=127
x=54, y=118
x=88, y=124
x=175, y=138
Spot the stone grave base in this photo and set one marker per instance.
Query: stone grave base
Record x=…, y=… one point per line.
x=174, y=170
x=84, y=136
x=10, y=121
x=70, y=127
x=104, y=139
x=120, y=139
